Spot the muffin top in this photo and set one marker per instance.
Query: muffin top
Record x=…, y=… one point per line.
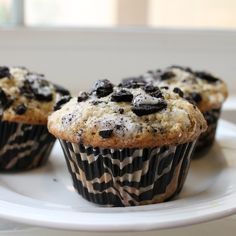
x=205, y=89
x=119, y=116
x=26, y=96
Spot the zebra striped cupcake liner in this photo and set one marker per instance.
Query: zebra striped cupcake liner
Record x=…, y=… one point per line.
x=23, y=146
x=207, y=138
x=129, y=176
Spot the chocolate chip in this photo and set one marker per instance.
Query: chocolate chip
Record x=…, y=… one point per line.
x=59, y=89
x=206, y=76
x=196, y=97
x=20, y=109
x=153, y=91
x=82, y=97
x=133, y=82
x=122, y=96
x=179, y=91
x=103, y=88
x=146, y=109
x=167, y=75
x=106, y=133
x=4, y=72
x=61, y=102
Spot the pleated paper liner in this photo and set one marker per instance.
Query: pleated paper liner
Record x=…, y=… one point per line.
x=207, y=138
x=24, y=146
x=127, y=177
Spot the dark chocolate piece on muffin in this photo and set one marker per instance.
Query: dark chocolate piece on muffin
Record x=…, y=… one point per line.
x=122, y=96
x=206, y=76
x=103, y=88
x=61, y=102
x=133, y=82
x=4, y=72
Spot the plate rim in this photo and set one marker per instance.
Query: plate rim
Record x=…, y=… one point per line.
x=8, y=212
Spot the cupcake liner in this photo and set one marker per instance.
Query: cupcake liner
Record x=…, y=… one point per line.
x=207, y=138
x=129, y=176
x=23, y=146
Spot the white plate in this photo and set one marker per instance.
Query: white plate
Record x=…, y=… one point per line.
x=45, y=197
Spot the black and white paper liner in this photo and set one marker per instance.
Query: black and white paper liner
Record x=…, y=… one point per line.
x=127, y=177
x=23, y=146
x=207, y=138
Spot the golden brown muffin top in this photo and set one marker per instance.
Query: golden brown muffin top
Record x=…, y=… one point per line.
x=26, y=96
x=121, y=117
x=207, y=90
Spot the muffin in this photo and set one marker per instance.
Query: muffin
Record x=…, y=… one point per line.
x=26, y=99
x=205, y=90
x=127, y=146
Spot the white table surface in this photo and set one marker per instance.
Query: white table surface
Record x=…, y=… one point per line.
x=226, y=226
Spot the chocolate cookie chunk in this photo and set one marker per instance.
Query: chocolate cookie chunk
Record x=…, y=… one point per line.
x=4, y=72
x=153, y=91
x=103, y=88
x=146, y=109
x=167, y=75
x=196, y=97
x=59, y=89
x=61, y=102
x=5, y=101
x=35, y=86
x=20, y=109
x=122, y=96
x=206, y=76
x=105, y=133
x=83, y=96
x=133, y=82
x=179, y=91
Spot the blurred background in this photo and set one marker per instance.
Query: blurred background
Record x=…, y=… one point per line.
x=75, y=42
x=113, y=13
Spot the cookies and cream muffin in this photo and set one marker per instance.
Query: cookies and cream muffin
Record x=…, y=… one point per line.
x=127, y=145
x=26, y=100
x=207, y=91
